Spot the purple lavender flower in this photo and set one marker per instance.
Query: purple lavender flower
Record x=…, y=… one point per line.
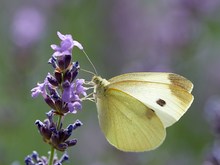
x=40, y=89
x=71, y=94
x=73, y=91
x=79, y=88
x=66, y=45
x=35, y=159
x=212, y=113
x=74, y=106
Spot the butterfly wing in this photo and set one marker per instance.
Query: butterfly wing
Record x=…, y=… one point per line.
x=127, y=123
x=157, y=77
x=169, y=101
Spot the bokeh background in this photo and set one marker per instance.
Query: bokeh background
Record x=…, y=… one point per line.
x=181, y=36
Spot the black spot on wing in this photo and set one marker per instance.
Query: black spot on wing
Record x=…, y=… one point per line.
x=161, y=102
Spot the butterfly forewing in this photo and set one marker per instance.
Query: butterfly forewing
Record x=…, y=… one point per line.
x=127, y=123
x=169, y=102
x=157, y=77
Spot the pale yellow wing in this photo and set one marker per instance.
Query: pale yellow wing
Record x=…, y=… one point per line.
x=169, y=101
x=158, y=77
x=127, y=123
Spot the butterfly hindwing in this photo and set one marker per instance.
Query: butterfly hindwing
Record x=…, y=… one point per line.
x=128, y=124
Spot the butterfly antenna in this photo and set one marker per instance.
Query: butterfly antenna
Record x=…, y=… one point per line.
x=87, y=71
x=90, y=63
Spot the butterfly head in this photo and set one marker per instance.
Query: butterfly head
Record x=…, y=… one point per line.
x=100, y=85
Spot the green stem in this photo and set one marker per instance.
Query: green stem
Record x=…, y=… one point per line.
x=52, y=151
x=59, y=122
x=51, y=156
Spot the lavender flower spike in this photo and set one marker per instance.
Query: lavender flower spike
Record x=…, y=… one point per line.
x=66, y=45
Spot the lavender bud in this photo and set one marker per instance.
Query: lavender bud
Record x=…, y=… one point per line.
x=50, y=115
x=71, y=142
x=58, y=77
x=59, y=105
x=61, y=64
x=62, y=147
x=67, y=60
x=64, y=109
x=67, y=76
x=74, y=70
x=39, y=124
x=64, y=158
x=55, y=139
x=28, y=160
x=50, y=102
x=35, y=155
x=52, y=61
x=77, y=124
x=52, y=80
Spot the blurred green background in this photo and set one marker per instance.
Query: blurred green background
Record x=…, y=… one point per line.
x=181, y=36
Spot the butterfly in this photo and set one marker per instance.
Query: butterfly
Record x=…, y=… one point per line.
x=134, y=109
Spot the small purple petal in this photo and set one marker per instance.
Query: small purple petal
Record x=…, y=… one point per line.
x=73, y=107
x=77, y=44
x=61, y=36
x=39, y=89
x=66, y=92
x=54, y=47
x=79, y=88
x=66, y=45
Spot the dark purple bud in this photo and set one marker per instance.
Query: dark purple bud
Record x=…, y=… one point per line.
x=59, y=105
x=61, y=63
x=58, y=163
x=52, y=61
x=43, y=129
x=35, y=155
x=70, y=128
x=61, y=132
x=46, y=133
x=55, y=139
x=77, y=124
x=64, y=158
x=58, y=77
x=74, y=70
x=67, y=76
x=50, y=102
x=64, y=135
x=53, y=93
x=67, y=59
x=71, y=142
x=50, y=115
x=66, y=84
x=52, y=80
x=28, y=160
x=76, y=65
x=62, y=147
x=39, y=124
x=64, y=109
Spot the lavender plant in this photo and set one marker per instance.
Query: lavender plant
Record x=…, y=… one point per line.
x=212, y=114
x=63, y=93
